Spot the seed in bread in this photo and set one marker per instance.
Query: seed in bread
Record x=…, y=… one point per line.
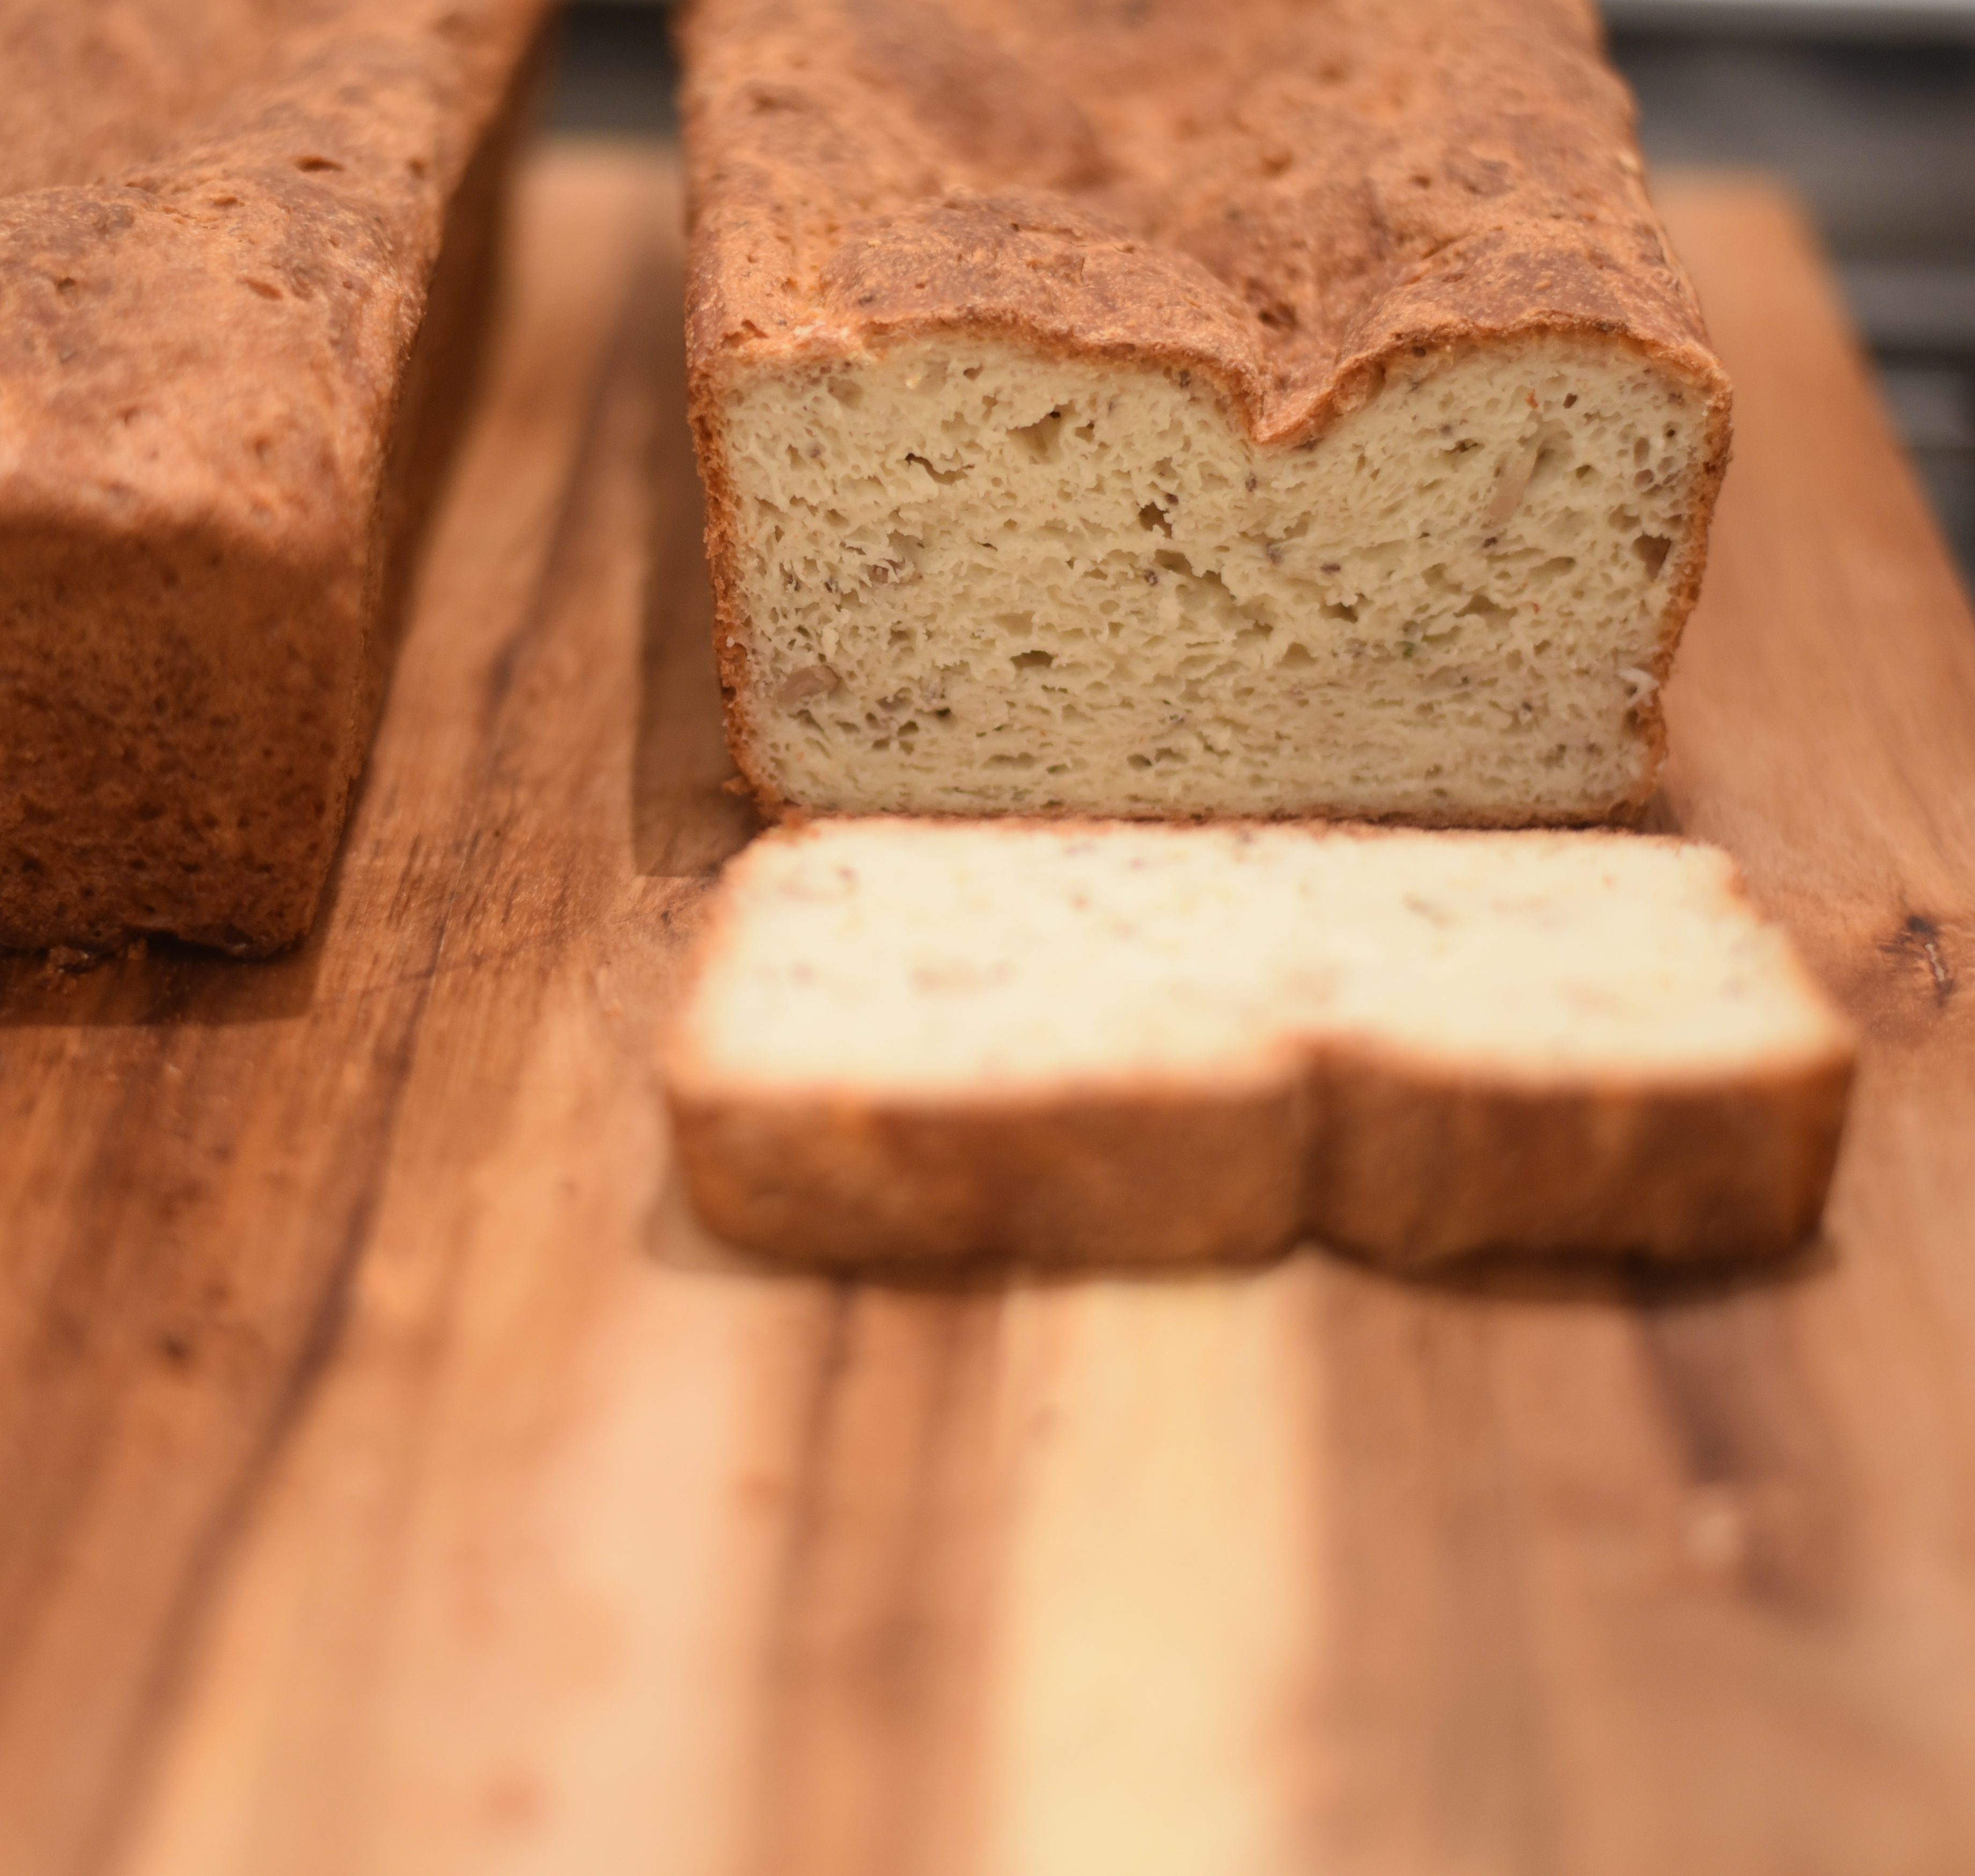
x=921, y=1041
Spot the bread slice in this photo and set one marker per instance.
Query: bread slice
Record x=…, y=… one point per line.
x=1154, y=409
x=245, y=251
x=915, y=1041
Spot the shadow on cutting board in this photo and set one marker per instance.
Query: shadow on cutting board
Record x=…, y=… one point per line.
x=156, y=983
x=685, y=817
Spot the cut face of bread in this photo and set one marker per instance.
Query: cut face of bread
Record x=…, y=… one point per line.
x=978, y=577
x=1171, y=410
x=920, y=1040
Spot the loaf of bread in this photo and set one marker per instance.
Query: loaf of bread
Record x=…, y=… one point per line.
x=245, y=248
x=1155, y=408
x=1064, y=1042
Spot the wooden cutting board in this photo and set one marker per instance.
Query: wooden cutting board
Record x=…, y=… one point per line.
x=394, y=1483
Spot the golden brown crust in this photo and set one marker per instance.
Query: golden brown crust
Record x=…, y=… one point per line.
x=1283, y=200
x=1407, y=1164
x=1414, y=1168
x=236, y=328
x=1146, y=1178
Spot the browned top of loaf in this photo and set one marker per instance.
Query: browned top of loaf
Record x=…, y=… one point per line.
x=1280, y=192
x=217, y=226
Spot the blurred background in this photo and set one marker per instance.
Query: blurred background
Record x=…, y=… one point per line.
x=1867, y=107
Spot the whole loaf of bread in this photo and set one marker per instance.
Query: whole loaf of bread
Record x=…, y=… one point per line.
x=1147, y=408
x=246, y=247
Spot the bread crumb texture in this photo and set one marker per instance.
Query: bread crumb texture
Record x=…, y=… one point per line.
x=1083, y=589
x=1151, y=409
x=899, y=958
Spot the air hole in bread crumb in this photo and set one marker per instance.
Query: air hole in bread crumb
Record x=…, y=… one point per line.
x=942, y=476
x=311, y=165
x=1040, y=437
x=1651, y=550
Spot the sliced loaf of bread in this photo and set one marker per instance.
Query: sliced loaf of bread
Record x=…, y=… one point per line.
x=1062, y=1042
x=1153, y=409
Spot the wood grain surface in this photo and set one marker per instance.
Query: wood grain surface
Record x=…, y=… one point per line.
x=392, y=1479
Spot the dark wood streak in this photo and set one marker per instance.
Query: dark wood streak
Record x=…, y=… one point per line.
x=1489, y=1765
x=807, y=1494
x=1432, y=1705
x=873, y=1680
x=203, y=1568
x=90, y=1387
x=1770, y=1513
x=613, y=416
x=938, y=1668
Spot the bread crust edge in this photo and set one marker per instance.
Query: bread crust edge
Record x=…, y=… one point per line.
x=1360, y=1150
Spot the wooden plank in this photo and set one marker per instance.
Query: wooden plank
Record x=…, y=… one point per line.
x=394, y=1480
x=199, y=1156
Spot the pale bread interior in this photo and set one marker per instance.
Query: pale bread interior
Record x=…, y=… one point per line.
x=978, y=577
x=914, y=960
